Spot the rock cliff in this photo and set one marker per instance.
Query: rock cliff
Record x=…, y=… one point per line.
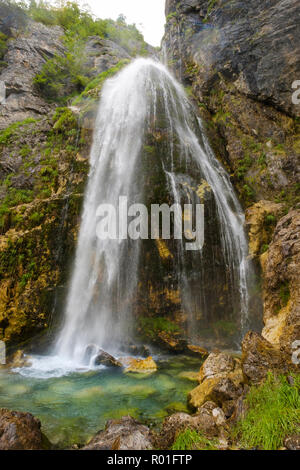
x=238, y=61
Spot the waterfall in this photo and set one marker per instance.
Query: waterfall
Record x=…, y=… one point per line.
x=142, y=101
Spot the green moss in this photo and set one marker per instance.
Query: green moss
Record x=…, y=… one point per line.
x=270, y=219
x=36, y=217
x=3, y=45
x=151, y=326
x=225, y=328
x=174, y=14
x=273, y=414
x=7, y=134
x=264, y=249
x=262, y=160
x=248, y=193
x=244, y=165
x=64, y=120
x=285, y=294
x=193, y=440
x=93, y=88
x=25, y=151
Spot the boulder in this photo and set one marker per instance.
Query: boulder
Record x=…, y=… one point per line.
x=18, y=359
x=140, y=366
x=179, y=422
x=220, y=378
x=216, y=365
x=260, y=357
x=201, y=394
x=210, y=420
x=21, y=431
x=105, y=359
x=123, y=434
x=292, y=442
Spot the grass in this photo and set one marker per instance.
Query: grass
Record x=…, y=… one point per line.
x=193, y=440
x=273, y=414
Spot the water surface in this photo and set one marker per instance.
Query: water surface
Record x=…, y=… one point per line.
x=73, y=407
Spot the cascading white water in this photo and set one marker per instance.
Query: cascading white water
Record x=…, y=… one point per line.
x=105, y=274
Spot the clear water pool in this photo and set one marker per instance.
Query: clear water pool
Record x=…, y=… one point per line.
x=73, y=406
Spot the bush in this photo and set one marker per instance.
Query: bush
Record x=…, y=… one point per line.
x=273, y=414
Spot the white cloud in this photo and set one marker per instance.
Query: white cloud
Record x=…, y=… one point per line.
x=149, y=15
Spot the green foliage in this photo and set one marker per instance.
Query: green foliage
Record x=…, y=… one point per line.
x=7, y=134
x=127, y=36
x=225, y=328
x=36, y=217
x=248, y=193
x=285, y=294
x=13, y=198
x=3, y=45
x=151, y=326
x=171, y=15
x=66, y=75
x=98, y=81
x=193, y=440
x=273, y=414
x=63, y=75
x=264, y=249
x=64, y=121
x=244, y=165
x=270, y=219
x=262, y=160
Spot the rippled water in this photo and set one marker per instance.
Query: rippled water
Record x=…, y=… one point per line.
x=73, y=407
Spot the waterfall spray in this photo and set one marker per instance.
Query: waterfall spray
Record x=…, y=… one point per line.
x=105, y=277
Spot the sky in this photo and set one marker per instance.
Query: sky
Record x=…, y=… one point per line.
x=149, y=15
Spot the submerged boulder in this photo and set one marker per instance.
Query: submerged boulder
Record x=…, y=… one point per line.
x=141, y=366
x=123, y=434
x=21, y=431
